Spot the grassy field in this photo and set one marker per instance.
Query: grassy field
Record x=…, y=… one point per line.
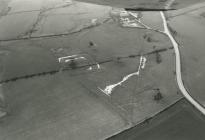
x=56, y=107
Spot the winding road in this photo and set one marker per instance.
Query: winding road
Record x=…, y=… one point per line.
x=166, y=32
x=178, y=67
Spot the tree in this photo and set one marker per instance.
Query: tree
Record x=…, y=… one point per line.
x=73, y=64
x=158, y=95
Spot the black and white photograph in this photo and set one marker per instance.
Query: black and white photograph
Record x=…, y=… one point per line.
x=102, y=69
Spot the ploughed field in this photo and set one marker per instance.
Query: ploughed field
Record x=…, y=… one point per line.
x=181, y=121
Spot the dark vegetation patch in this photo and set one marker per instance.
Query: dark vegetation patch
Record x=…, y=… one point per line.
x=202, y=14
x=158, y=96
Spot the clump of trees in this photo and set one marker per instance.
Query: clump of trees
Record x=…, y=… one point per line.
x=158, y=58
x=202, y=14
x=174, y=32
x=158, y=55
x=91, y=43
x=158, y=96
x=73, y=64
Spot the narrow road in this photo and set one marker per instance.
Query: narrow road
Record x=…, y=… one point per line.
x=178, y=68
